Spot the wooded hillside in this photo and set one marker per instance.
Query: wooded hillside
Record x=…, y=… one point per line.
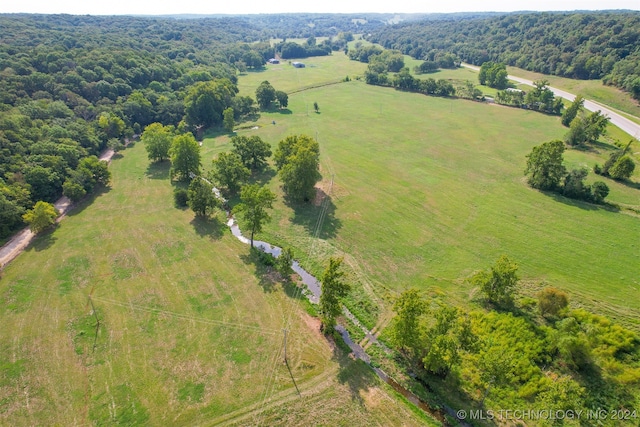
x=585, y=45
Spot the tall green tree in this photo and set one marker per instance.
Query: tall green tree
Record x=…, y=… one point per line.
x=297, y=159
x=284, y=263
x=228, y=120
x=73, y=190
x=157, y=141
x=229, y=172
x=300, y=174
x=577, y=134
x=265, y=94
x=185, y=156
x=410, y=306
x=206, y=101
x=596, y=125
x=499, y=283
x=574, y=185
x=255, y=200
x=623, y=168
x=445, y=339
x=613, y=159
x=10, y=215
x=200, y=197
x=493, y=75
x=42, y=216
x=333, y=288
x=586, y=128
x=599, y=190
x=573, y=110
x=111, y=125
x=283, y=98
x=253, y=151
x=544, y=165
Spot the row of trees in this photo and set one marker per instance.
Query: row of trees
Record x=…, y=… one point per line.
x=540, y=98
x=266, y=94
x=289, y=50
x=403, y=80
x=546, y=171
x=517, y=355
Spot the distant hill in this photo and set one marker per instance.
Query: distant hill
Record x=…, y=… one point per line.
x=583, y=45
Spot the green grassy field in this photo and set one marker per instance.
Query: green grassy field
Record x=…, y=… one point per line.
x=423, y=191
x=189, y=328
x=427, y=190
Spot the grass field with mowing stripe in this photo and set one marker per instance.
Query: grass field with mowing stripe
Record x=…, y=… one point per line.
x=189, y=329
x=427, y=190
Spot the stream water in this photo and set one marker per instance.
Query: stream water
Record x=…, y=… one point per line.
x=313, y=294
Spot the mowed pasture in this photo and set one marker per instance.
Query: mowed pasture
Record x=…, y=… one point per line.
x=428, y=190
x=189, y=329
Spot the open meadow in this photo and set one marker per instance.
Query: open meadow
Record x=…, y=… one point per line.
x=134, y=312
x=186, y=328
x=425, y=191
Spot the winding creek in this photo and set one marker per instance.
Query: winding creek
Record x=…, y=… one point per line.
x=313, y=294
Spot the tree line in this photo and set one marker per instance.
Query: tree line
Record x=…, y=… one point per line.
x=582, y=45
x=545, y=169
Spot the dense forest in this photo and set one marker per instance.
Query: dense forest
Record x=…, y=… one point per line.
x=586, y=45
x=70, y=86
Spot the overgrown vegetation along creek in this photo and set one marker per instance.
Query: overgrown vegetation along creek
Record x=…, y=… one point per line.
x=314, y=290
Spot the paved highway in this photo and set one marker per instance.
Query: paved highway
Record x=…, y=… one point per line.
x=622, y=122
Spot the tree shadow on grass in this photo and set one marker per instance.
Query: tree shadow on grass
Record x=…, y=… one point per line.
x=594, y=147
x=629, y=183
x=44, y=240
x=355, y=374
x=158, y=170
x=266, y=275
x=210, y=227
x=580, y=203
x=262, y=176
x=318, y=219
x=88, y=200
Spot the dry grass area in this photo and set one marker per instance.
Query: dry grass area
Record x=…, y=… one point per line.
x=184, y=331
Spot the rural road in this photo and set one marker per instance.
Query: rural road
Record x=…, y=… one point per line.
x=622, y=122
x=21, y=240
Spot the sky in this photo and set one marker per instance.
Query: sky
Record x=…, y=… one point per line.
x=163, y=7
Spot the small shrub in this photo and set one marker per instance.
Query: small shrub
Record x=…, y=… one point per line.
x=552, y=302
x=180, y=197
x=263, y=257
